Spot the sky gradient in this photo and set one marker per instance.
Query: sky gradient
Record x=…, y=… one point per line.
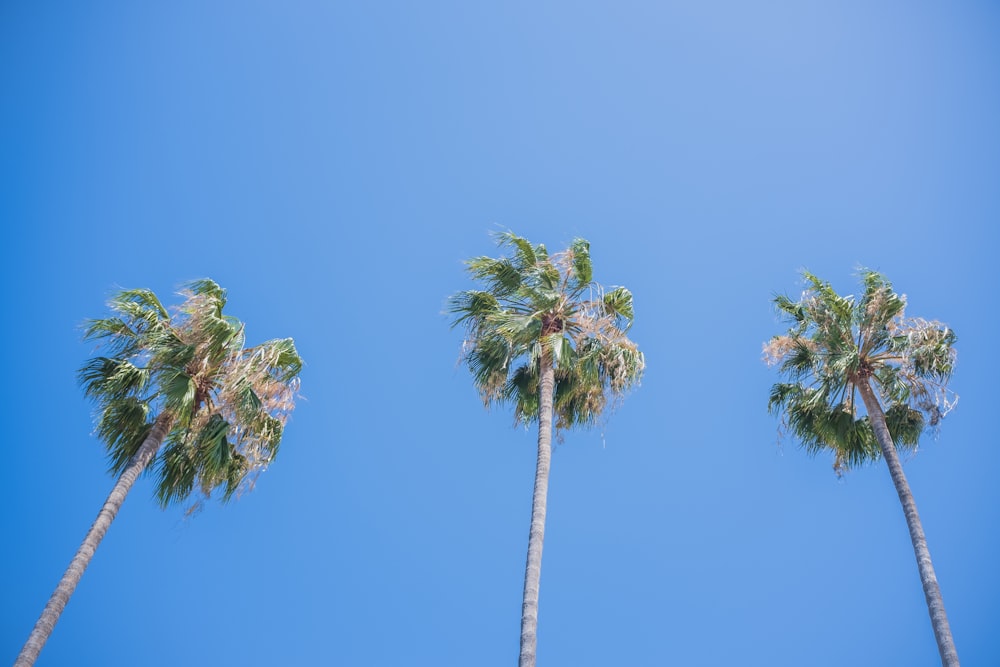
x=332, y=164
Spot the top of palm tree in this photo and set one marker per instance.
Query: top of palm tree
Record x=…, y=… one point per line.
x=533, y=302
x=836, y=342
x=226, y=403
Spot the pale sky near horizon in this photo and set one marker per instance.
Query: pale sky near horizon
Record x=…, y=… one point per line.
x=332, y=164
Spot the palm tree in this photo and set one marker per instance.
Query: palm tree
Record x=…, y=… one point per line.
x=840, y=347
x=183, y=381
x=545, y=338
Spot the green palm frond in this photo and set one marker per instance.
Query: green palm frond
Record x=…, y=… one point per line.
x=561, y=347
x=280, y=358
x=115, y=335
x=792, y=309
x=237, y=473
x=517, y=328
x=176, y=470
x=208, y=288
x=472, y=307
x=618, y=304
x=583, y=269
x=906, y=424
x=211, y=446
x=247, y=403
x=145, y=299
x=524, y=252
x=549, y=278
x=112, y=379
x=179, y=391
x=139, y=306
x=211, y=454
x=490, y=358
x=835, y=342
x=502, y=276
x=122, y=426
x=269, y=429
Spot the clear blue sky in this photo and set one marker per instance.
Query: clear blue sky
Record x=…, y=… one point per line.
x=331, y=164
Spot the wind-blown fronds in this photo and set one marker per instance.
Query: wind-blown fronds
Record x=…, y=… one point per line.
x=227, y=403
x=533, y=302
x=835, y=342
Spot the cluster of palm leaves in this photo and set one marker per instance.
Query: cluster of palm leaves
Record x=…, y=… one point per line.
x=835, y=343
x=226, y=404
x=539, y=306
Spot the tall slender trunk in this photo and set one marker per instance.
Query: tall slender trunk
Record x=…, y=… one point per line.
x=536, y=536
x=932, y=593
x=54, y=608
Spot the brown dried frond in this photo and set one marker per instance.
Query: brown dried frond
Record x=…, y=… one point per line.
x=878, y=301
x=623, y=363
x=917, y=329
x=840, y=465
x=602, y=327
x=277, y=401
x=775, y=350
x=932, y=398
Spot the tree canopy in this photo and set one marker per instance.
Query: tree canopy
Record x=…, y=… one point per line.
x=833, y=343
x=534, y=302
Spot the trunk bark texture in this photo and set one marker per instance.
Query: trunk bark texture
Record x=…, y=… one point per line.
x=536, y=536
x=932, y=592
x=54, y=608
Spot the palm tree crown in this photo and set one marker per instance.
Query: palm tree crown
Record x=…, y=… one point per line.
x=226, y=404
x=537, y=304
x=835, y=343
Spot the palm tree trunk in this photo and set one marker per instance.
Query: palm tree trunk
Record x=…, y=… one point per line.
x=932, y=593
x=50, y=615
x=536, y=536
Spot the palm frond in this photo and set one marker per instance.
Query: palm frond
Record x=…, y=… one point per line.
x=472, y=308
x=280, y=357
x=524, y=253
x=208, y=288
x=107, y=379
x=176, y=470
x=501, y=276
x=238, y=475
x=516, y=328
x=140, y=305
x=122, y=426
x=490, y=358
x=178, y=391
x=583, y=268
x=618, y=305
x=792, y=309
